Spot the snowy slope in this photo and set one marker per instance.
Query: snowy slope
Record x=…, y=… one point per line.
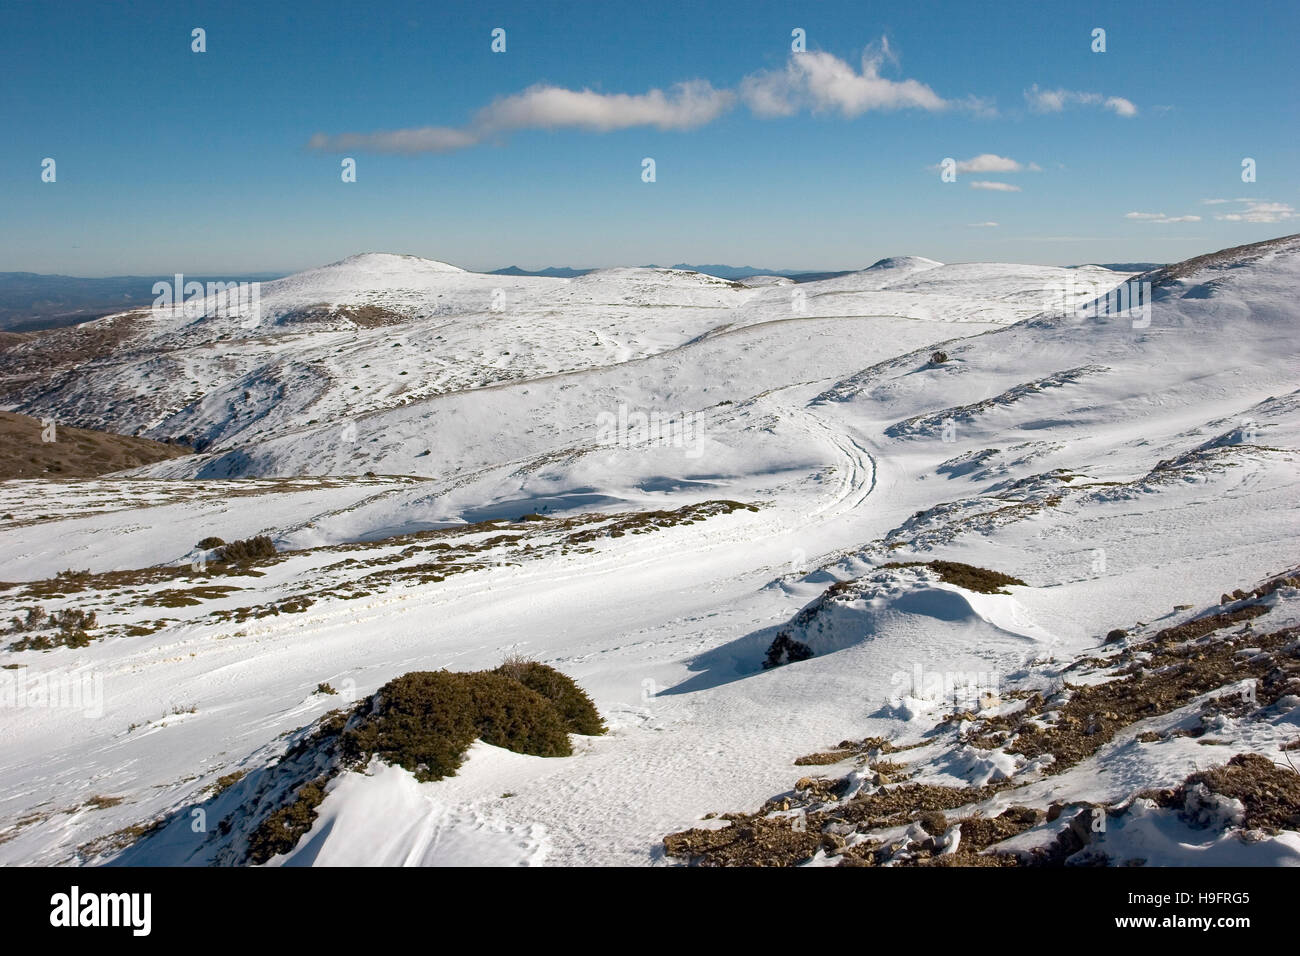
x=1118, y=470
x=380, y=331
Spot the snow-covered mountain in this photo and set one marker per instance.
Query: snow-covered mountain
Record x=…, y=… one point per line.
x=379, y=331
x=716, y=475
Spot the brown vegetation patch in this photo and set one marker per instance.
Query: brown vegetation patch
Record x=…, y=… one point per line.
x=74, y=452
x=965, y=576
x=762, y=840
x=824, y=758
x=1151, y=677
x=283, y=828
x=1175, y=674
x=1270, y=792
x=242, y=552
x=643, y=522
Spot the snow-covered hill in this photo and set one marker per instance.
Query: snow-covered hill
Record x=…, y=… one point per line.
x=645, y=478
x=380, y=331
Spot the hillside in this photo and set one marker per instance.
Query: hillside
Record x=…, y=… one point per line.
x=377, y=332
x=72, y=452
x=874, y=563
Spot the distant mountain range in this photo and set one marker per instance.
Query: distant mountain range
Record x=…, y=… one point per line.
x=714, y=269
x=551, y=272
x=1127, y=266
x=30, y=301
x=747, y=272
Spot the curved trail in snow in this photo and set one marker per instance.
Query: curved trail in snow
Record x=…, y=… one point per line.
x=637, y=605
x=856, y=480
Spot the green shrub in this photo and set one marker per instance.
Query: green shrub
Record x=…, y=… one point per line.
x=74, y=619
x=425, y=721
x=575, y=707
x=227, y=781
x=211, y=541
x=71, y=623
x=247, y=550
x=35, y=619
x=965, y=576
x=513, y=716
x=281, y=831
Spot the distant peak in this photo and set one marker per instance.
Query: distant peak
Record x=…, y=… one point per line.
x=391, y=261
x=903, y=262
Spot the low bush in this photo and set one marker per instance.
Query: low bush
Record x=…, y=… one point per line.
x=69, y=627
x=967, y=576
x=249, y=549
x=425, y=721
x=281, y=831
x=575, y=707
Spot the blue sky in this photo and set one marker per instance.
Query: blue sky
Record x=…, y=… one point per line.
x=228, y=161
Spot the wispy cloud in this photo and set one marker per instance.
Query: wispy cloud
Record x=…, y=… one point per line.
x=821, y=82
x=1092, y=239
x=1159, y=217
x=1260, y=211
x=992, y=163
x=1054, y=101
x=812, y=81
x=685, y=106
x=983, y=225
x=426, y=139
x=994, y=187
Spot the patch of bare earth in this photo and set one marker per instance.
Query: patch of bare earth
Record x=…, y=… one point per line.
x=25, y=451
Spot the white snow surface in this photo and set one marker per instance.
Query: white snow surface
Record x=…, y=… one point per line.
x=1117, y=470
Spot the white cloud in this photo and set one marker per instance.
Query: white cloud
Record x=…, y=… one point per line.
x=1054, y=101
x=988, y=163
x=814, y=80
x=685, y=106
x=1159, y=217
x=821, y=82
x=1045, y=101
x=426, y=139
x=1260, y=211
x=982, y=225
x=1120, y=106
x=991, y=163
x=995, y=187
